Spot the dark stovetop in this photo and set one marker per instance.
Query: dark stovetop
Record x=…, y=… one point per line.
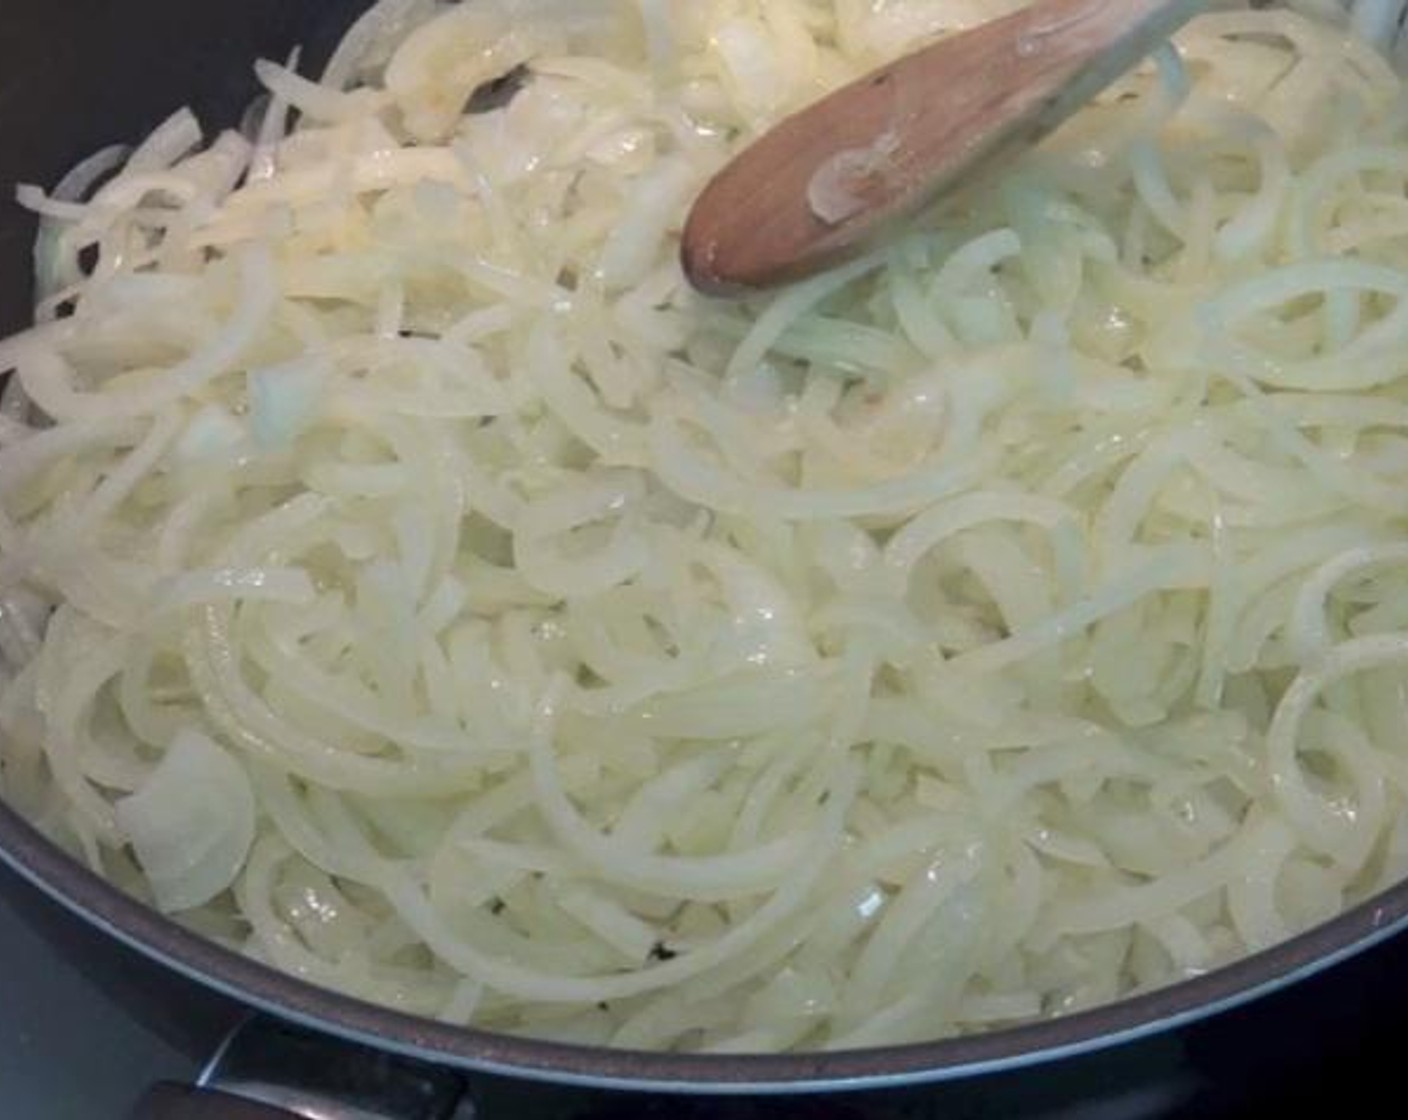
x=71, y=1051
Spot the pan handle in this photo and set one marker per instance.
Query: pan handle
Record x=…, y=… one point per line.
x=170, y=1101
x=269, y=1070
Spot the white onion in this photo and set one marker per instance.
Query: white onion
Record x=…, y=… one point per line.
x=191, y=823
x=405, y=573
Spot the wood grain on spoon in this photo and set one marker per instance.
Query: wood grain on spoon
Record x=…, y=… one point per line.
x=821, y=185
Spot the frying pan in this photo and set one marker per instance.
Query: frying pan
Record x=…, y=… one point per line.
x=78, y=74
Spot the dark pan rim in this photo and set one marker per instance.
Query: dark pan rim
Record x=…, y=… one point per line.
x=116, y=914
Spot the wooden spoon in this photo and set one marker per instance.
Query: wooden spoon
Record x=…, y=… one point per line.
x=823, y=183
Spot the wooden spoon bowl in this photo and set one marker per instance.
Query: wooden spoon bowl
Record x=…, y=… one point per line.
x=825, y=182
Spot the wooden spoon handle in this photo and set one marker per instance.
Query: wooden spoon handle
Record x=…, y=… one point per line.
x=818, y=187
